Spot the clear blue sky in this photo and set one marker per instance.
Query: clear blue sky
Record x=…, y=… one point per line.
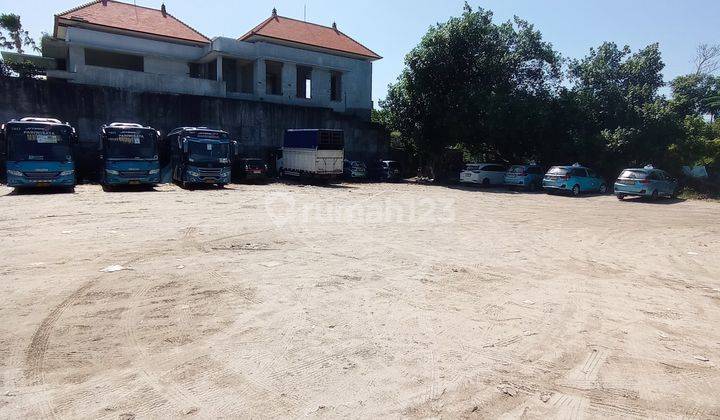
x=393, y=27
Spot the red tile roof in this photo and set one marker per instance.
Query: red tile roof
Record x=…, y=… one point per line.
x=310, y=34
x=128, y=17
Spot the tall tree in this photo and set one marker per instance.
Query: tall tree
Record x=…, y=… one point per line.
x=12, y=34
x=477, y=84
x=696, y=94
x=624, y=119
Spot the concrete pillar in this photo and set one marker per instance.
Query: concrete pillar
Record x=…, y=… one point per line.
x=260, y=78
x=321, y=87
x=289, y=81
x=219, y=67
x=76, y=58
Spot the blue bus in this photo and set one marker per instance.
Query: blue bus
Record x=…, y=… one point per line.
x=129, y=155
x=199, y=155
x=39, y=153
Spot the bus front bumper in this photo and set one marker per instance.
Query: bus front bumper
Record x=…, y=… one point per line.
x=117, y=179
x=18, y=179
x=198, y=176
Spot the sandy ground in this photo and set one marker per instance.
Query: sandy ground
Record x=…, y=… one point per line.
x=359, y=301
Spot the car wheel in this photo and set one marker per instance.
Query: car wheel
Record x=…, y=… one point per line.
x=620, y=197
x=576, y=190
x=654, y=195
x=486, y=182
x=603, y=188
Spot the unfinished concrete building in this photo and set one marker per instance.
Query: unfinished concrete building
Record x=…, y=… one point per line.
x=281, y=60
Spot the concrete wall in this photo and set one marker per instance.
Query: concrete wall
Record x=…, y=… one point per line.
x=258, y=126
x=148, y=82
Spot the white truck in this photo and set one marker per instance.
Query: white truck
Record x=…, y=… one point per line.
x=313, y=153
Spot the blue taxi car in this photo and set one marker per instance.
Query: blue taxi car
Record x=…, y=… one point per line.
x=575, y=179
x=645, y=182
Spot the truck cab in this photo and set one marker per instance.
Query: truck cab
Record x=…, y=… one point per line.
x=129, y=155
x=200, y=155
x=39, y=153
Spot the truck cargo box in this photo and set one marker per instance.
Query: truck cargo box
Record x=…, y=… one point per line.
x=312, y=153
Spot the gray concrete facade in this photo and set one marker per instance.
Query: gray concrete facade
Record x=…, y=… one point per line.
x=167, y=68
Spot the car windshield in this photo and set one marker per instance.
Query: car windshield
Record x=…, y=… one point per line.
x=130, y=145
x=472, y=167
x=39, y=143
x=517, y=169
x=204, y=151
x=557, y=170
x=630, y=174
x=254, y=163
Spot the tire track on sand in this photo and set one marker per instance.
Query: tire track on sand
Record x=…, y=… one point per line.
x=172, y=392
x=35, y=353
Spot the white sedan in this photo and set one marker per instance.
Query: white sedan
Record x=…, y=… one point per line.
x=485, y=174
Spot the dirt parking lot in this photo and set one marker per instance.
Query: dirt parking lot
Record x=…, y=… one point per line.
x=357, y=300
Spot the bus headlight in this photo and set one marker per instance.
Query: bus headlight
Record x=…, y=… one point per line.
x=154, y=171
x=112, y=172
x=67, y=173
x=15, y=173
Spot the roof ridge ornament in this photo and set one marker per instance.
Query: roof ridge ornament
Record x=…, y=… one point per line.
x=163, y=10
x=334, y=26
x=274, y=12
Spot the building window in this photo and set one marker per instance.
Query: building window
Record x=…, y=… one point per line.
x=114, y=60
x=336, y=86
x=238, y=75
x=206, y=71
x=273, y=77
x=304, y=82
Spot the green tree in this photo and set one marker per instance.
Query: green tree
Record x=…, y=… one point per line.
x=496, y=91
x=12, y=34
x=621, y=116
x=477, y=84
x=696, y=94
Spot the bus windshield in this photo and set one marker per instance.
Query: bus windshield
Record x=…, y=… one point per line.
x=130, y=145
x=200, y=150
x=38, y=143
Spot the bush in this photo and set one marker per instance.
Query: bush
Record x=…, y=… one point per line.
x=4, y=69
x=24, y=70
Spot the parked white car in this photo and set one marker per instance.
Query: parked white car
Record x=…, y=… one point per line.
x=485, y=174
